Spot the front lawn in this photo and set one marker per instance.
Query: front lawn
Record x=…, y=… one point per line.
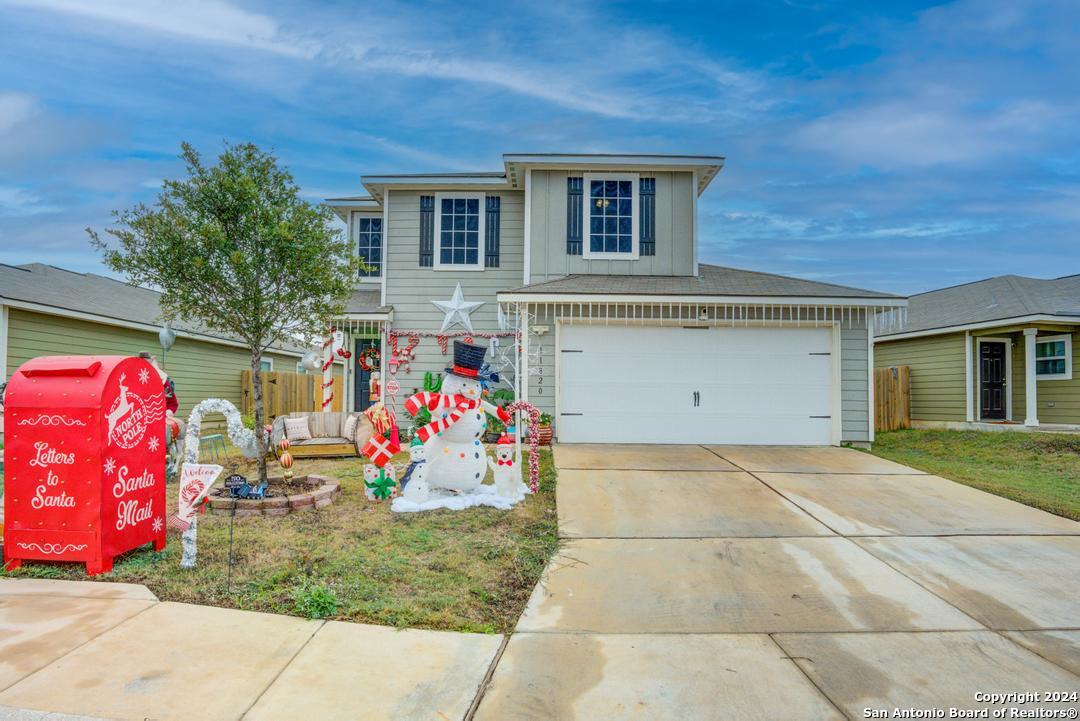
x=354, y=560
x=1039, y=469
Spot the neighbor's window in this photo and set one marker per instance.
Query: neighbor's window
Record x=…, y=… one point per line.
x=459, y=231
x=266, y=365
x=370, y=245
x=1053, y=357
x=612, y=209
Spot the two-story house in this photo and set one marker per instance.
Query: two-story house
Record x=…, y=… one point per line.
x=625, y=337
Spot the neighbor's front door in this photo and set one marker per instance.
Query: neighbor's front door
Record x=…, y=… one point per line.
x=993, y=381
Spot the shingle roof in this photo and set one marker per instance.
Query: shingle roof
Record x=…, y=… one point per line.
x=365, y=300
x=96, y=295
x=712, y=280
x=999, y=298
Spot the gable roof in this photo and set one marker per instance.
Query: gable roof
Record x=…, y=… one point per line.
x=100, y=299
x=1001, y=298
x=712, y=280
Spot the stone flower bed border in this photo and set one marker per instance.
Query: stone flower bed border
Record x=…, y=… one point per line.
x=322, y=493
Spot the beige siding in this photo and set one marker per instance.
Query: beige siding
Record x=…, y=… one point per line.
x=199, y=369
x=674, y=230
x=937, y=374
x=410, y=288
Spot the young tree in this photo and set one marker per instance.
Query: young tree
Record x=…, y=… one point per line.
x=233, y=246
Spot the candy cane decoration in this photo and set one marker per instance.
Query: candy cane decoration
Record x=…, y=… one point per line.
x=328, y=372
x=534, y=440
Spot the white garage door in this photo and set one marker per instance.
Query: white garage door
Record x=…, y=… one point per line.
x=622, y=384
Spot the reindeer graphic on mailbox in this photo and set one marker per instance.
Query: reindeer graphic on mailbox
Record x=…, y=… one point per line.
x=84, y=460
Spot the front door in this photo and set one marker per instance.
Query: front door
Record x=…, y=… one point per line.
x=992, y=380
x=362, y=387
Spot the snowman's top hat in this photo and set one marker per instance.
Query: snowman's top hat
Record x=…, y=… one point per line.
x=468, y=360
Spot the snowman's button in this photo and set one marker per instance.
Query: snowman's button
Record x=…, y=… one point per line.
x=462, y=455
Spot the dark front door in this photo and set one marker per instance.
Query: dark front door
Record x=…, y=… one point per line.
x=362, y=387
x=992, y=380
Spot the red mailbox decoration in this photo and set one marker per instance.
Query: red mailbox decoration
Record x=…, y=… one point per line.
x=84, y=460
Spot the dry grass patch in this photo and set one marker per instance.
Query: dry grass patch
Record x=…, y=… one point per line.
x=354, y=560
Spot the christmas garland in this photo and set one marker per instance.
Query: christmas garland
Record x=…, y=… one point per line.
x=414, y=336
x=534, y=440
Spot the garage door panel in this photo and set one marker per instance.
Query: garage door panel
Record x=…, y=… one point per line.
x=637, y=385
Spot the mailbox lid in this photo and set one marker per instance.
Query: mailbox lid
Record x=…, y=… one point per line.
x=67, y=381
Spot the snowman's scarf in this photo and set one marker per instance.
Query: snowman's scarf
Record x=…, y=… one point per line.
x=438, y=401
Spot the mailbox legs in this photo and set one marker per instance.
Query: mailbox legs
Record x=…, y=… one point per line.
x=99, y=565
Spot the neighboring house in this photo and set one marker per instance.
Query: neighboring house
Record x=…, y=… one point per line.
x=50, y=311
x=627, y=338
x=997, y=351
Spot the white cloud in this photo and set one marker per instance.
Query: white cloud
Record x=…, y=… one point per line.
x=211, y=21
x=15, y=108
x=15, y=201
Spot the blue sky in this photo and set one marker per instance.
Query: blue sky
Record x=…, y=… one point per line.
x=899, y=146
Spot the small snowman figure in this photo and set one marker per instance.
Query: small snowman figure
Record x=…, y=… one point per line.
x=417, y=456
x=417, y=490
x=506, y=472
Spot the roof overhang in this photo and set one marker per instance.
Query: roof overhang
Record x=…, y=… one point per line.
x=377, y=185
x=134, y=325
x=752, y=300
x=343, y=206
x=705, y=167
x=981, y=325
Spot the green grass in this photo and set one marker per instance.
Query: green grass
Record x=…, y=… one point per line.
x=1038, y=469
x=354, y=560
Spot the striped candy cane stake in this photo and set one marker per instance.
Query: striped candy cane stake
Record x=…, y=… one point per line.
x=328, y=372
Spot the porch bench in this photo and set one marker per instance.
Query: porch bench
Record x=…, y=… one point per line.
x=327, y=437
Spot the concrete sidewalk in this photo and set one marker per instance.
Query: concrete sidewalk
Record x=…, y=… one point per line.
x=794, y=583
x=106, y=650
x=694, y=583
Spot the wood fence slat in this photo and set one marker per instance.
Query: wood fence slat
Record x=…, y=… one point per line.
x=283, y=392
x=892, y=398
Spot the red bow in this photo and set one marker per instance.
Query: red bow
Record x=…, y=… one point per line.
x=505, y=463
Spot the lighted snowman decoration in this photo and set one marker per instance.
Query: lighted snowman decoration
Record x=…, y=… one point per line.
x=455, y=455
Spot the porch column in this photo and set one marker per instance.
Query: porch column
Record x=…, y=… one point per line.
x=1031, y=396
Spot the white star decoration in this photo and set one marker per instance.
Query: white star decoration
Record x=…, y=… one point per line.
x=144, y=376
x=110, y=466
x=457, y=310
x=152, y=444
x=156, y=525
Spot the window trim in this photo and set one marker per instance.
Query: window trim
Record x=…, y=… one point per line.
x=586, y=216
x=1067, y=375
x=357, y=217
x=481, y=238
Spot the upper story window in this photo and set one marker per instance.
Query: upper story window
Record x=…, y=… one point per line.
x=459, y=231
x=611, y=209
x=369, y=245
x=1053, y=358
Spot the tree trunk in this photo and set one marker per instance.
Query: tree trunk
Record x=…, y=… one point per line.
x=260, y=422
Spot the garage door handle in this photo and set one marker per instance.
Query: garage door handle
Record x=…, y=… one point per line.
x=697, y=399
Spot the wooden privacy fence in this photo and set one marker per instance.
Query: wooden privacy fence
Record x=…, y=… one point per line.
x=286, y=392
x=892, y=398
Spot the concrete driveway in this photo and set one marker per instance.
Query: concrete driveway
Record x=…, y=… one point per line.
x=753, y=582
